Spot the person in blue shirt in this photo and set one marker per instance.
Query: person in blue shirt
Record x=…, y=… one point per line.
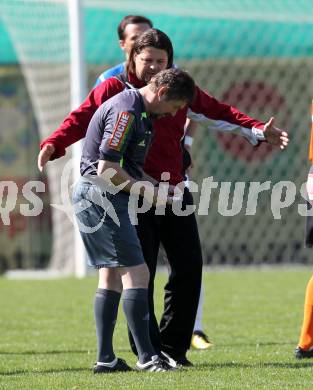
x=130, y=27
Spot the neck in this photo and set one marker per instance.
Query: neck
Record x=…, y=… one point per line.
x=148, y=97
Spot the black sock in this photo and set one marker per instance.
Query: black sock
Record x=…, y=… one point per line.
x=105, y=309
x=135, y=305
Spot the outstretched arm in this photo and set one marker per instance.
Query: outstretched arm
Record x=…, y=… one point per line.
x=74, y=126
x=219, y=116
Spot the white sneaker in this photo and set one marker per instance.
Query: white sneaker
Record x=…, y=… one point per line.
x=168, y=359
x=156, y=364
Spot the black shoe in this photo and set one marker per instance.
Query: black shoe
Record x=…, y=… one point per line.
x=183, y=361
x=116, y=365
x=303, y=354
x=156, y=364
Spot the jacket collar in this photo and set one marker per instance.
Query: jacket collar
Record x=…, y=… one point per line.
x=132, y=78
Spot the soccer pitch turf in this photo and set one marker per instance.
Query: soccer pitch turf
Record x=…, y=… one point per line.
x=253, y=316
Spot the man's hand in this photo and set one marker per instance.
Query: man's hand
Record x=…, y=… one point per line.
x=160, y=197
x=275, y=136
x=44, y=156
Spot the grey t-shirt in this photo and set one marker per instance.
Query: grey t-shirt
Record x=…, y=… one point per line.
x=119, y=131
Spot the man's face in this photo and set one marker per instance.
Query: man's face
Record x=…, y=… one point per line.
x=166, y=107
x=131, y=33
x=149, y=62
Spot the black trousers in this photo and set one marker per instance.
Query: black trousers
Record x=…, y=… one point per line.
x=180, y=239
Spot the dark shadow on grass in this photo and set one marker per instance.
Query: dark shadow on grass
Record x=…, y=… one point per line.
x=235, y=365
x=50, y=371
x=59, y=352
x=60, y=370
x=53, y=352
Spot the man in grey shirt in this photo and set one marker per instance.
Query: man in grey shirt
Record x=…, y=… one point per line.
x=117, y=141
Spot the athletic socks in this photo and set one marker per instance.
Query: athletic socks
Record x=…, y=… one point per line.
x=306, y=337
x=135, y=305
x=105, y=310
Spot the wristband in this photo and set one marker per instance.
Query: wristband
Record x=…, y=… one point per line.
x=258, y=133
x=188, y=140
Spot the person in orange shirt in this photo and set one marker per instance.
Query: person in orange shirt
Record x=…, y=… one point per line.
x=304, y=348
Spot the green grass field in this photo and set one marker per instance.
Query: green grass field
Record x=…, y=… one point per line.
x=47, y=338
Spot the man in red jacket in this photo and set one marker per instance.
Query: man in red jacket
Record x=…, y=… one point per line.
x=151, y=53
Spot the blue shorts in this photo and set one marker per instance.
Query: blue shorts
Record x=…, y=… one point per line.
x=97, y=214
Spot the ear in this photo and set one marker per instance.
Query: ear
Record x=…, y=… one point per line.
x=122, y=44
x=162, y=91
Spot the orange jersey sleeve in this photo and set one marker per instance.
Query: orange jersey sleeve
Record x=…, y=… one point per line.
x=311, y=140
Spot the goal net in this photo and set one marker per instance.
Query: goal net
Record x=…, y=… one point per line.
x=40, y=34
x=255, y=55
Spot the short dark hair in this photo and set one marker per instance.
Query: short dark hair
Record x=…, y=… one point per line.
x=151, y=38
x=180, y=84
x=131, y=19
